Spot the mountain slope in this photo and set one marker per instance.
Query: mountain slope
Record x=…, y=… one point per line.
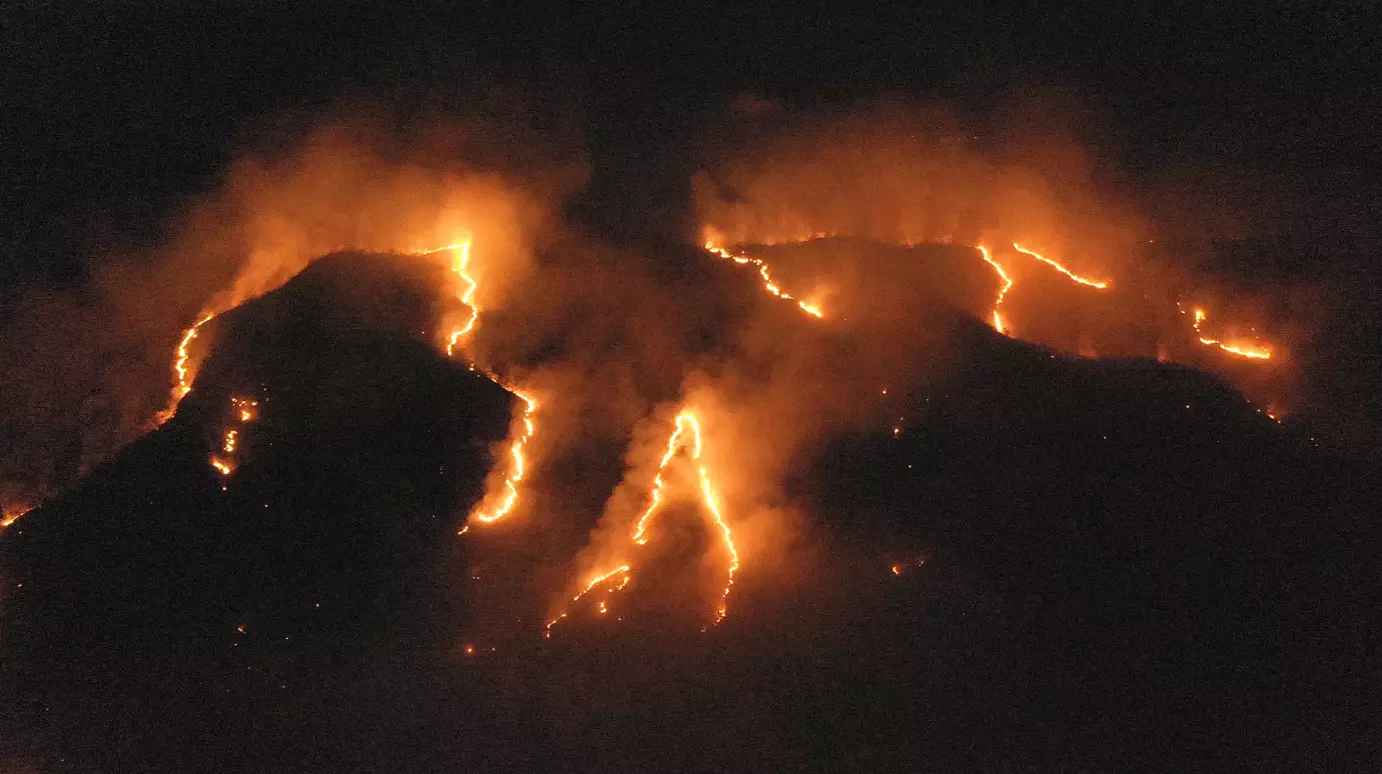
x=1099, y=565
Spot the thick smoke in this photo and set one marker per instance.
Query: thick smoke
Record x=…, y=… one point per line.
x=85, y=370
x=887, y=177
x=1031, y=173
x=900, y=173
x=614, y=342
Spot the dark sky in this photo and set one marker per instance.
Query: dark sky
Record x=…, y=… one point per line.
x=111, y=116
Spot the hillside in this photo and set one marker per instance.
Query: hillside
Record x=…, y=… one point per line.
x=1045, y=562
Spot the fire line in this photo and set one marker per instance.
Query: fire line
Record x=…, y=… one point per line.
x=1253, y=351
x=526, y=421
x=768, y=283
x=1002, y=293
x=1082, y=280
x=686, y=422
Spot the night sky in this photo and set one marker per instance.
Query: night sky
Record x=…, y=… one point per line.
x=113, y=115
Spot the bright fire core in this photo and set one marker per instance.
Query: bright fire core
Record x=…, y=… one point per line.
x=494, y=505
x=686, y=435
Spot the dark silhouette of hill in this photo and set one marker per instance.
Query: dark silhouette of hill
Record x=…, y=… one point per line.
x=1101, y=565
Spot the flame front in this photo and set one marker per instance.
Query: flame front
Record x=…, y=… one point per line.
x=510, y=497
x=768, y=283
x=1082, y=280
x=687, y=432
x=461, y=268
x=1002, y=292
x=815, y=311
x=507, y=499
x=673, y=443
x=1254, y=351
x=182, y=383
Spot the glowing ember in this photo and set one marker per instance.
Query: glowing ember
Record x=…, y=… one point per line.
x=685, y=423
x=1242, y=349
x=1082, y=280
x=768, y=283
x=245, y=411
x=181, y=356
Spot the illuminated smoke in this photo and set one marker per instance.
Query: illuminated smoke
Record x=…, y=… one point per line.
x=359, y=179
x=1250, y=350
x=686, y=434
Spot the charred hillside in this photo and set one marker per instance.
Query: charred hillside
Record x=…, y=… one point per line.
x=1033, y=561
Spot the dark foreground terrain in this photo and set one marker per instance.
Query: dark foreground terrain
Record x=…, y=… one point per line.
x=1104, y=566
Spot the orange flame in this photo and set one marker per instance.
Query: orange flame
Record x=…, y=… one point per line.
x=11, y=515
x=596, y=581
x=1008, y=282
x=768, y=283
x=526, y=421
x=511, y=482
x=685, y=421
x=245, y=412
x=246, y=407
x=1082, y=280
x=460, y=266
x=1003, y=292
x=181, y=356
x=1253, y=351
x=180, y=364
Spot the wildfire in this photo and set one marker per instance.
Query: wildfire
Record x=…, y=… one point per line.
x=460, y=267
x=596, y=581
x=673, y=443
x=181, y=356
x=1082, y=280
x=1008, y=282
x=1007, y=285
x=180, y=364
x=527, y=424
x=510, y=498
x=768, y=283
x=1253, y=351
x=244, y=411
x=685, y=423
x=11, y=515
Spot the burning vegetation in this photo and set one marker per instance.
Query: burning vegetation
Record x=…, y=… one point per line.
x=592, y=342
